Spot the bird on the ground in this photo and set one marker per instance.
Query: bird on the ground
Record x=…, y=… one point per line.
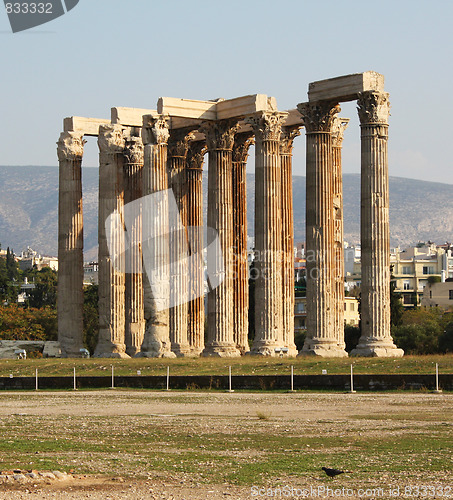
x=333, y=472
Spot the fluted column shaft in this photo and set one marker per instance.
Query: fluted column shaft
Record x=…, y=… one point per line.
x=288, y=292
x=196, y=314
x=179, y=278
x=268, y=233
x=111, y=277
x=242, y=143
x=70, y=244
x=156, y=342
x=373, y=109
x=133, y=189
x=219, y=140
x=318, y=120
x=338, y=128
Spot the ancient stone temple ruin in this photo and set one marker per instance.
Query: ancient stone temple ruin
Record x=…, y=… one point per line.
x=147, y=151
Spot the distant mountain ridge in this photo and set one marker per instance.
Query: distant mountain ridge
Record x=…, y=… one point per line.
x=419, y=210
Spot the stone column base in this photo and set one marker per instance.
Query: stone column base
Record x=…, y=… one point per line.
x=155, y=354
x=377, y=349
x=132, y=351
x=264, y=348
x=292, y=351
x=322, y=349
x=110, y=350
x=156, y=349
x=122, y=355
x=183, y=351
x=220, y=350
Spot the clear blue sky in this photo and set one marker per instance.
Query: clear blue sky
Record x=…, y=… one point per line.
x=108, y=53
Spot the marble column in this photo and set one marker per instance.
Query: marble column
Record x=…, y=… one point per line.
x=111, y=270
x=288, y=293
x=70, y=244
x=321, y=340
x=268, y=306
x=219, y=140
x=338, y=128
x=373, y=109
x=242, y=143
x=178, y=144
x=196, y=315
x=133, y=189
x=156, y=342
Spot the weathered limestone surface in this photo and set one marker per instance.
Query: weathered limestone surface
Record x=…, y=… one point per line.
x=321, y=340
x=111, y=341
x=156, y=342
x=179, y=279
x=196, y=313
x=70, y=244
x=242, y=143
x=84, y=126
x=373, y=109
x=268, y=233
x=130, y=117
x=289, y=133
x=219, y=109
x=134, y=314
x=49, y=349
x=345, y=88
x=219, y=140
x=338, y=128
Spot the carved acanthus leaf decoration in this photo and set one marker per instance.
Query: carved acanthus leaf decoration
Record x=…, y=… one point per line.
x=195, y=155
x=318, y=116
x=70, y=146
x=220, y=134
x=373, y=107
x=267, y=125
x=155, y=129
x=287, y=138
x=134, y=151
x=241, y=146
x=111, y=138
x=178, y=143
x=338, y=128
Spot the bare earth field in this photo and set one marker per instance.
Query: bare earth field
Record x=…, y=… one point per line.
x=204, y=445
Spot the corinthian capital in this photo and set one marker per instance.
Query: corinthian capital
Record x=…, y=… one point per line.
x=318, y=116
x=242, y=143
x=178, y=143
x=195, y=155
x=338, y=128
x=373, y=107
x=155, y=129
x=70, y=146
x=267, y=125
x=111, y=138
x=287, y=139
x=220, y=134
x=133, y=151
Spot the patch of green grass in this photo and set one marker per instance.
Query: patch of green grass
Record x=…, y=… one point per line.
x=248, y=365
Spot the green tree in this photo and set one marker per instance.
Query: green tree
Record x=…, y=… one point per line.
x=12, y=267
x=396, y=308
x=90, y=317
x=17, y=323
x=446, y=339
x=45, y=291
x=351, y=337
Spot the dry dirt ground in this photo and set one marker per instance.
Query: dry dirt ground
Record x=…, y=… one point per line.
x=409, y=452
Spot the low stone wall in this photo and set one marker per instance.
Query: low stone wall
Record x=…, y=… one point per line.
x=239, y=382
x=49, y=349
